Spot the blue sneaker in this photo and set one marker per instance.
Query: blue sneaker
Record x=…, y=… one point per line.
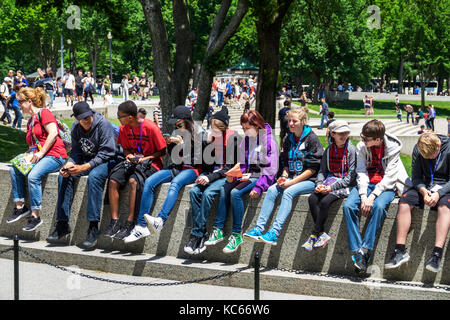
x=270, y=238
x=253, y=235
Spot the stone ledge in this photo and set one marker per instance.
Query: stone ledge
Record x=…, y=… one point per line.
x=333, y=259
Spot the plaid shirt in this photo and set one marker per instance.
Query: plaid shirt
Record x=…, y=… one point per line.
x=376, y=170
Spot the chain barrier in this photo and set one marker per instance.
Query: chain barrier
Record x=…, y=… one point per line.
x=231, y=273
x=357, y=279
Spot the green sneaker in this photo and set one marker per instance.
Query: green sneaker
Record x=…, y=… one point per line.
x=234, y=241
x=215, y=237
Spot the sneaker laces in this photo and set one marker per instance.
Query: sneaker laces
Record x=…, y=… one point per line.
x=232, y=241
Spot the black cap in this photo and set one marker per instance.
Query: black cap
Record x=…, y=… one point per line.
x=222, y=115
x=180, y=113
x=81, y=110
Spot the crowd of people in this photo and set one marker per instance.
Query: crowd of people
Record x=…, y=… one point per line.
x=220, y=163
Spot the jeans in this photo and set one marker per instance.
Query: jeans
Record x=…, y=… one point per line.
x=202, y=199
x=6, y=113
x=45, y=166
x=229, y=193
x=219, y=98
x=95, y=185
x=51, y=94
x=323, y=119
x=183, y=178
x=18, y=117
x=377, y=214
x=409, y=114
x=302, y=187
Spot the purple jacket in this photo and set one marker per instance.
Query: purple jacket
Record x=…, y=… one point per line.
x=264, y=159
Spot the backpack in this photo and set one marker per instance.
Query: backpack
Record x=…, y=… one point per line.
x=64, y=133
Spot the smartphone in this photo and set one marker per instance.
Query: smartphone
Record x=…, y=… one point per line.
x=64, y=169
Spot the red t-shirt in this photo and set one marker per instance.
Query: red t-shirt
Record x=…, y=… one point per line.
x=152, y=140
x=376, y=170
x=336, y=160
x=58, y=149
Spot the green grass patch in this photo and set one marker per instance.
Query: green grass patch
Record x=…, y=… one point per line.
x=12, y=143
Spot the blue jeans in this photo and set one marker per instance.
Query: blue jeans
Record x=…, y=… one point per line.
x=183, y=178
x=302, y=187
x=202, y=199
x=6, y=113
x=323, y=119
x=219, y=98
x=51, y=94
x=96, y=183
x=18, y=118
x=45, y=166
x=229, y=193
x=377, y=214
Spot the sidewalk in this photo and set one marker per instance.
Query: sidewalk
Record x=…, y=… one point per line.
x=39, y=281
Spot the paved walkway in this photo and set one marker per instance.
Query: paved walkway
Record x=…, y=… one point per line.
x=42, y=282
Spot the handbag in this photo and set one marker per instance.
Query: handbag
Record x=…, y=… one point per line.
x=22, y=162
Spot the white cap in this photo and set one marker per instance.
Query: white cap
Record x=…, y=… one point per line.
x=339, y=126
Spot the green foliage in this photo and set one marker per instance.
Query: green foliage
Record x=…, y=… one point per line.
x=12, y=143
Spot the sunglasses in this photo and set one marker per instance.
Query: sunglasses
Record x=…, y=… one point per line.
x=120, y=117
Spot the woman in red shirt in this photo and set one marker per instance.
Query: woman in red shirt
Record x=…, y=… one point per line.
x=49, y=155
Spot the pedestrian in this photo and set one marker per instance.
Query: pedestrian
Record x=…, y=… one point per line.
x=94, y=153
x=258, y=166
x=367, y=106
x=4, y=98
x=430, y=178
x=329, y=124
x=419, y=115
x=143, y=147
x=372, y=111
x=300, y=158
x=409, y=113
x=157, y=115
x=49, y=155
x=209, y=116
x=79, y=85
x=336, y=176
x=17, y=123
x=187, y=165
x=88, y=87
x=107, y=83
x=69, y=87
x=221, y=89
x=399, y=113
x=284, y=125
x=208, y=185
x=324, y=111
x=431, y=116
x=379, y=172
x=125, y=87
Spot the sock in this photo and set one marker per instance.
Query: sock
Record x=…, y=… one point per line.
x=438, y=251
x=400, y=247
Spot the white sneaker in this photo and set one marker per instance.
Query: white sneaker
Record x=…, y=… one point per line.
x=155, y=223
x=137, y=233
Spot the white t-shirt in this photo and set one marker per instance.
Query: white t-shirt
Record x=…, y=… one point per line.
x=4, y=89
x=69, y=84
x=108, y=99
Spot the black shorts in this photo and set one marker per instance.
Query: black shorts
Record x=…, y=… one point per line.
x=125, y=171
x=415, y=198
x=68, y=92
x=79, y=91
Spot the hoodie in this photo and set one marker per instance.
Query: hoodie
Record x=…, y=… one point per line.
x=306, y=154
x=421, y=175
x=96, y=146
x=261, y=160
x=395, y=176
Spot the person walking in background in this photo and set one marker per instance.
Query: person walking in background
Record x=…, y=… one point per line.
x=125, y=87
x=157, y=115
x=79, y=85
x=419, y=115
x=284, y=125
x=431, y=116
x=366, y=101
x=69, y=86
x=372, y=111
x=49, y=155
x=409, y=113
x=324, y=110
x=398, y=110
x=4, y=98
x=17, y=123
x=88, y=87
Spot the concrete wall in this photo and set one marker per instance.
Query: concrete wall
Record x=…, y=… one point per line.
x=334, y=258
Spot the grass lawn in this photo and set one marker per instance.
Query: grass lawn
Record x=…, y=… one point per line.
x=382, y=107
x=12, y=143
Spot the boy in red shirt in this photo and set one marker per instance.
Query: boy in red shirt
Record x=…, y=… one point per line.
x=143, y=147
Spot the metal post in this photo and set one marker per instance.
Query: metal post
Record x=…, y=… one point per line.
x=62, y=56
x=110, y=67
x=257, y=264
x=16, y=267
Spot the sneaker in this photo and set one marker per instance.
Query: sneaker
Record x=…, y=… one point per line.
x=32, y=223
x=270, y=238
x=253, y=235
x=309, y=244
x=397, y=259
x=322, y=240
x=137, y=233
x=234, y=241
x=191, y=246
x=18, y=214
x=62, y=229
x=91, y=238
x=216, y=237
x=155, y=223
x=124, y=231
x=434, y=263
x=360, y=261
x=112, y=229
x=201, y=244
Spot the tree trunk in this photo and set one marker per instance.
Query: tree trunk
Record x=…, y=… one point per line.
x=400, y=75
x=196, y=75
x=440, y=85
x=204, y=86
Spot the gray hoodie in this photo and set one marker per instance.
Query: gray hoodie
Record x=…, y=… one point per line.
x=96, y=146
x=395, y=175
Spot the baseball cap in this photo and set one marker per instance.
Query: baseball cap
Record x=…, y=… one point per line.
x=7, y=79
x=180, y=113
x=340, y=126
x=81, y=110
